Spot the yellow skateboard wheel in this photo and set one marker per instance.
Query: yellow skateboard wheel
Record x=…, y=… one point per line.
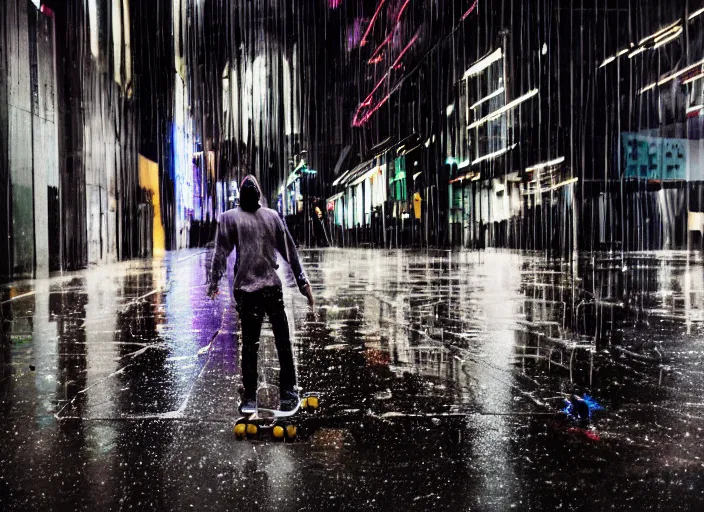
x=251, y=429
x=313, y=402
x=278, y=432
x=240, y=430
x=291, y=431
x=304, y=403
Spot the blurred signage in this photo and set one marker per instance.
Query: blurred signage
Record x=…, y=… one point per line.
x=653, y=158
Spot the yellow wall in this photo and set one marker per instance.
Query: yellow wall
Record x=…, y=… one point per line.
x=149, y=179
x=416, y=205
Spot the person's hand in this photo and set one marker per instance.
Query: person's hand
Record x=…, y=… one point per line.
x=212, y=292
x=309, y=295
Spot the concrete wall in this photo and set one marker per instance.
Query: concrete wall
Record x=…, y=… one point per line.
x=69, y=179
x=28, y=130
x=45, y=136
x=5, y=198
x=19, y=154
x=98, y=156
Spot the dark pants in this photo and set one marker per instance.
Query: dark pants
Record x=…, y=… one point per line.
x=252, y=306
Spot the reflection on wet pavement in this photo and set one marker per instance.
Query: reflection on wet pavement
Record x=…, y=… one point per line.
x=442, y=373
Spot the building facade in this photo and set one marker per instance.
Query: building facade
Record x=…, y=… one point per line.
x=541, y=125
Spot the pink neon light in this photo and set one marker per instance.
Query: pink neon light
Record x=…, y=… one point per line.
x=376, y=107
x=371, y=23
x=368, y=100
x=369, y=114
x=46, y=10
x=334, y=4
x=413, y=40
x=469, y=11
x=403, y=8
x=366, y=103
x=375, y=59
x=356, y=121
x=372, y=59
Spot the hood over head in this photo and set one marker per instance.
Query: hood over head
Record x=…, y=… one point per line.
x=250, y=194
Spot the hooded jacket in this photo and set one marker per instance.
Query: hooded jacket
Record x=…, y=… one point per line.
x=256, y=234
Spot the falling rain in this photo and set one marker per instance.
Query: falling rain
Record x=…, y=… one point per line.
x=351, y=254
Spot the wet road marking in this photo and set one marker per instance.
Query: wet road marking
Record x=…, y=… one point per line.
x=57, y=415
x=191, y=256
x=142, y=350
x=28, y=294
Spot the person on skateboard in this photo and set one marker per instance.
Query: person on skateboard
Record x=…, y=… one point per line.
x=257, y=234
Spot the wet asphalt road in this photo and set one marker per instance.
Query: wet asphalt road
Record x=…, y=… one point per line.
x=442, y=376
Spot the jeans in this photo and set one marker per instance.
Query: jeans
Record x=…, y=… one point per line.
x=252, y=306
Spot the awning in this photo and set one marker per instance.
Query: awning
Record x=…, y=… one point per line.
x=337, y=180
x=471, y=175
x=354, y=173
x=371, y=172
x=335, y=197
x=292, y=177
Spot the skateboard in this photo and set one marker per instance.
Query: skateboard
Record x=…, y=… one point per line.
x=281, y=425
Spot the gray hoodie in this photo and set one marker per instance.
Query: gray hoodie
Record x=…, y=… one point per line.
x=256, y=234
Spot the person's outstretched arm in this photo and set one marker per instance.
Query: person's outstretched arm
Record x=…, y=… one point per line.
x=225, y=239
x=287, y=248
